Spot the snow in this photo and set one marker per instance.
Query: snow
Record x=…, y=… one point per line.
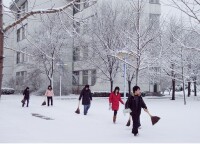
x=179, y=123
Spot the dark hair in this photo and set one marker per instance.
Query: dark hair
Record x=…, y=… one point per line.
x=50, y=87
x=27, y=88
x=87, y=86
x=135, y=88
x=116, y=88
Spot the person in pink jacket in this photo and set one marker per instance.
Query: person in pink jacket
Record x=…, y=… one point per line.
x=49, y=93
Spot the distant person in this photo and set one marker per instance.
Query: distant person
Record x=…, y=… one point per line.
x=26, y=97
x=49, y=93
x=86, y=97
x=135, y=103
x=114, y=100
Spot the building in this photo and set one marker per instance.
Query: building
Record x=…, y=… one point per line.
x=75, y=75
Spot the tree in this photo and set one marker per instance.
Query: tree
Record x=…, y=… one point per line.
x=189, y=7
x=104, y=40
x=51, y=39
x=140, y=36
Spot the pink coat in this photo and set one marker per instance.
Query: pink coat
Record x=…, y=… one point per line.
x=115, y=99
x=49, y=93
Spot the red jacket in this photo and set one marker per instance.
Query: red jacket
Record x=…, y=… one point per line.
x=115, y=99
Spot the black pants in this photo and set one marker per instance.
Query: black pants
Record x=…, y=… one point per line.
x=115, y=112
x=136, y=123
x=25, y=99
x=48, y=99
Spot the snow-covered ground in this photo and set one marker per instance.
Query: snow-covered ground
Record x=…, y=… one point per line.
x=179, y=123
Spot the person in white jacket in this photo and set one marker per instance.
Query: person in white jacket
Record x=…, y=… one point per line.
x=49, y=93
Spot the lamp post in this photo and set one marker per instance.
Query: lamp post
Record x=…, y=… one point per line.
x=59, y=64
x=123, y=54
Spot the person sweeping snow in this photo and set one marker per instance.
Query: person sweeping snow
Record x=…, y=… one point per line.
x=135, y=103
x=86, y=97
x=114, y=100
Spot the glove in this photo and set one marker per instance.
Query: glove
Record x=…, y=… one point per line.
x=110, y=106
x=127, y=111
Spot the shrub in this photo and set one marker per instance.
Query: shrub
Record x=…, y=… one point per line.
x=7, y=91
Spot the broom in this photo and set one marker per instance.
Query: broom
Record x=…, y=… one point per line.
x=129, y=121
x=44, y=102
x=154, y=119
x=78, y=110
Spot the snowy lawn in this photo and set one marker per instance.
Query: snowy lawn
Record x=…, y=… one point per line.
x=179, y=123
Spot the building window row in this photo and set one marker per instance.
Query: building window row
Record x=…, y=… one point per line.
x=80, y=53
x=22, y=57
x=84, y=77
x=154, y=1
x=21, y=77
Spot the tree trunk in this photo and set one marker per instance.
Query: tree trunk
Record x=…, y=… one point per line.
x=195, y=88
x=1, y=44
x=136, y=76
x=173, y=89
x=189, y=89
x=184, y=91
x=111, y=85
x=129, y=87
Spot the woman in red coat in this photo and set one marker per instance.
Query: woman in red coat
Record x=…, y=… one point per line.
x=114, y=100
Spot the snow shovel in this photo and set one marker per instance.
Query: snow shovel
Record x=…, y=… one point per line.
x=78, y=110
x=154, y=119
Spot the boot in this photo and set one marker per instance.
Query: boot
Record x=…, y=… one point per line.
x=114, y=119
x=128, y=123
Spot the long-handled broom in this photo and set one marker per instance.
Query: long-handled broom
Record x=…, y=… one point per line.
x=78, y=110
x=154, y=119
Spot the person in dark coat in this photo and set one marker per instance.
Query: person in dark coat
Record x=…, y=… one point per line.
x=26, y=97
x=129, y=120
x=114, y=100
x=86, y=97
x=135, y=103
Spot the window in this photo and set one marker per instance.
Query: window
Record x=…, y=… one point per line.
x=18, y=35
x=85, y=52
x=76, y=54
x=18, y=57
x=75, y=78
x=154, y=1
x=24, y=29
x=21, y=77
x=76, y=7
x=93, y=77
x=154, y=20
x=22, y=33
x=85, y=77
x=21, y=57
x=22, y=10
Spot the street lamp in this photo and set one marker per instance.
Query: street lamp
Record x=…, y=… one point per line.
x=123, y=54
x=59, y=64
